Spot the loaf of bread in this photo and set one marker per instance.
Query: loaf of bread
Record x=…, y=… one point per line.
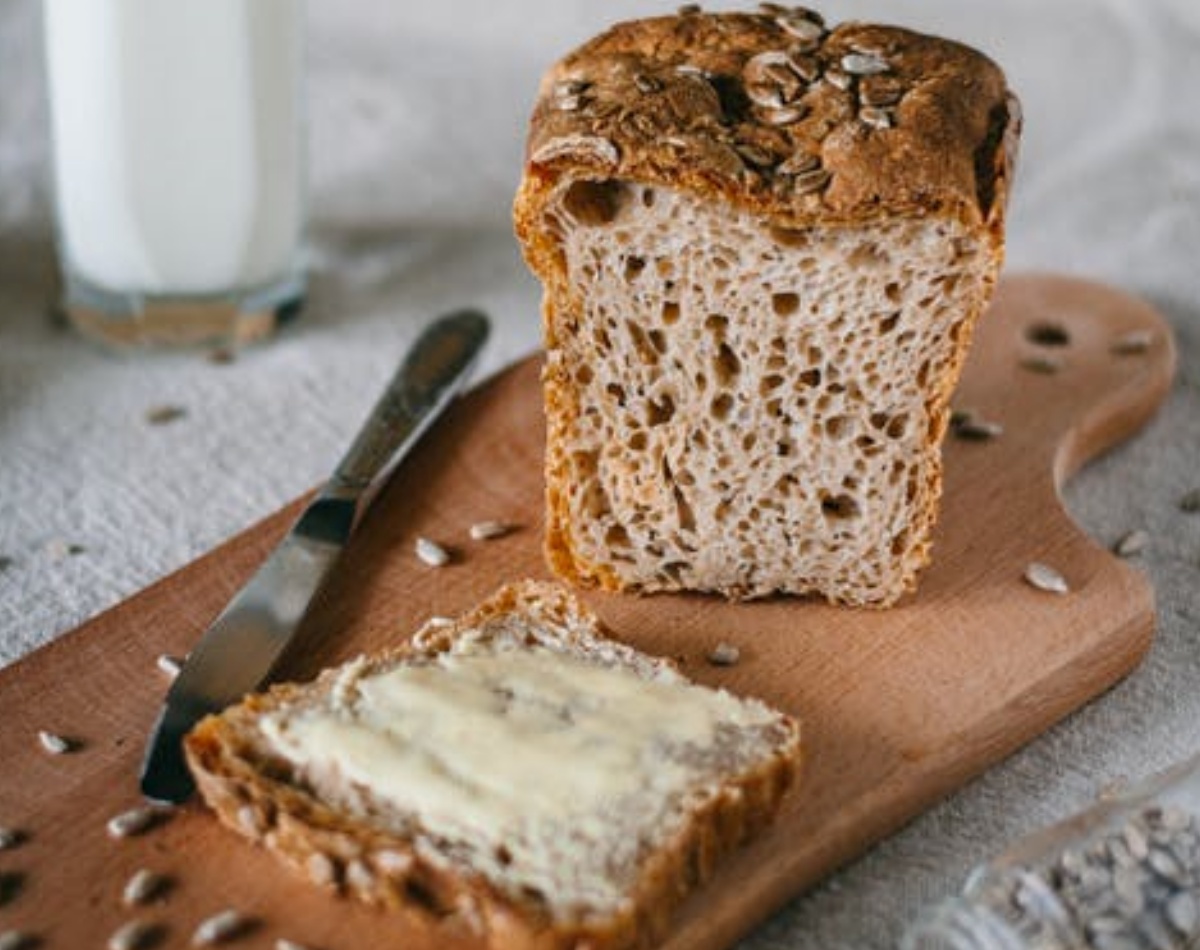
x=514, y=774
x=763, y=244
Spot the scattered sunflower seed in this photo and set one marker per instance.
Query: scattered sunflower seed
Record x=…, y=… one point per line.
x=133, y=935
x=876, y=117
x=1046, y=578
x=1134, y=342
x=221, y=927
x=136, y=820
x=724, y=654
x=1190, y=503
x=171, y=665
x=1134, y=542
x=5, y=563
x=54, y=743
x=960, y=417
x=58, y=549
x=1183, y=914
x=487, y=530
x=863, y=64
x=688, y=9
x=284, y=944
x=162, y=415
x=977, y=430
x=222, y=356
x=1046, y=365
x=10, y=838
x=432, y=553
x=16, y=940
x=142, y=887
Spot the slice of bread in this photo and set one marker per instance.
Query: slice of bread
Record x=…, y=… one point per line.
x=514, y=773
x=764, y=243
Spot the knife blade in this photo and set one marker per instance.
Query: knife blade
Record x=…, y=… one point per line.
x=236, y=655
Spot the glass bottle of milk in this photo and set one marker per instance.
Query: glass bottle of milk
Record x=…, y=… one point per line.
x=178, y=166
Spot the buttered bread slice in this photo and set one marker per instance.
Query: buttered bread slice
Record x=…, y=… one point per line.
x=515, y=773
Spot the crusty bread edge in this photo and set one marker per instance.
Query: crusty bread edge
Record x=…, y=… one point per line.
x=346, y=856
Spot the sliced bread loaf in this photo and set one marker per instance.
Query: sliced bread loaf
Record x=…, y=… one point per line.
x=515, y=773
x=764, y=243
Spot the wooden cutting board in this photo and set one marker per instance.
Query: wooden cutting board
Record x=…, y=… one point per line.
x=899, y=707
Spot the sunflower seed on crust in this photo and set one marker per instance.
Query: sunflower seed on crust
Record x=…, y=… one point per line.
x=876, y=117
x=1046, y=578
x=578, y=147
x=136, y=820
x=1132, y=343
x=142, y=887
x=132, y=935
x=221, y=927
x=724, y=654
x=54, y=743
x=864, y=64
x=432, y=553
x=803, y=25
x=1134, y=542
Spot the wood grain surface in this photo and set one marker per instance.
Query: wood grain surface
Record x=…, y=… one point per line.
x=899, y=707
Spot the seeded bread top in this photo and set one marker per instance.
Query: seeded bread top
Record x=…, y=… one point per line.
x=780, y=115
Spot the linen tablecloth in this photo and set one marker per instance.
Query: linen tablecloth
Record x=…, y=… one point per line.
x=416, y=119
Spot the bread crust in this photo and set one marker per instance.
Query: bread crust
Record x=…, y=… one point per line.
x=256, y=796
x=865, y=123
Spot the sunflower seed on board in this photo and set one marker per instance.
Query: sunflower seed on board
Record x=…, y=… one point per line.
x=978, y=430
x=16, y=940
x=11, y=883
x=724, y=654
x=171, y=665
x=284, y=944
x=137, y=820
x=54, y=743
x=1131, y=543
x=489, y=530
x=1044, y=577
x=1132, y=343
x=133, y=935
x=10, y=838
x=432, y=553
x=142, y=887
x=1046, y=365
x=221, y=927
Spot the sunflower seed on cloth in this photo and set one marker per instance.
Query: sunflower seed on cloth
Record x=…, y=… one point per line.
x=432, y=553
x=1190, y=503
x=1046, y=578
x=1131, y=543
x=136, y=820
x=142, y=887
x=134, y=935
x=724, y=654
x=163, y=415
x=54, y=743
x=218, y=928
x=58, y=549
x=17, y=940
x=487, y=530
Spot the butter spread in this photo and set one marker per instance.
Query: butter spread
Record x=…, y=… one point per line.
x=512, y=746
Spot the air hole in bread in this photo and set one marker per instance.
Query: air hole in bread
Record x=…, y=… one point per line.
x=1047, y=334
x=785, y=304
x=790, y=237
x=616, y=536
x=839, y=427
x=839, y=507
x=660, y=411
x=726, y=365
x=721, y=406
x=888, y=323
x=811, y=378
x=670, y=312
x=648, y=197
x=593, y=203
x=634, y=265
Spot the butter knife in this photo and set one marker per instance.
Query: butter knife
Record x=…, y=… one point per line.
x=237, y=653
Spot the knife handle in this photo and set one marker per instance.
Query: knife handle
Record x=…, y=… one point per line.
x=431, y=374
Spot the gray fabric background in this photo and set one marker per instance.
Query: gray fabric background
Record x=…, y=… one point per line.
x=417, y=113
